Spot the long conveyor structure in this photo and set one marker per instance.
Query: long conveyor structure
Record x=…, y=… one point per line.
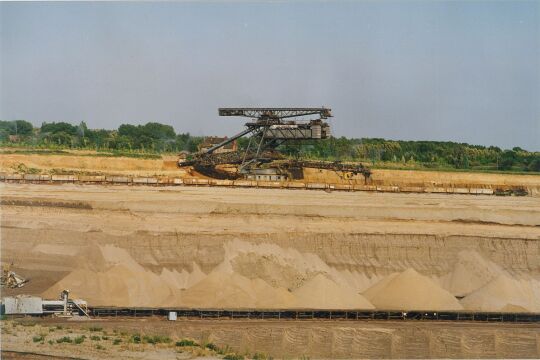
x=306, y=314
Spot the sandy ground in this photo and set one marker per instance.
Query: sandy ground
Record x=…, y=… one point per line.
x=281, y=339
x=199, y=246
x=29, y=338
x=90, y=164
x=271, y=248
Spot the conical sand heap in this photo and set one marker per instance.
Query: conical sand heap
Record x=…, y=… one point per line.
x=410, y=291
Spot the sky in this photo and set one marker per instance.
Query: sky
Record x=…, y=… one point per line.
x=425, y=70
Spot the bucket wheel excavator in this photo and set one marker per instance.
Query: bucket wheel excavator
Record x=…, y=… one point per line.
x=268, y=129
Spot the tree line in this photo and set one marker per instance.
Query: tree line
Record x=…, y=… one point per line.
x=151, y=137
x=158, y=138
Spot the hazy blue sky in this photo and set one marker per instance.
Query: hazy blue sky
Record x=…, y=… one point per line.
x=460, y=71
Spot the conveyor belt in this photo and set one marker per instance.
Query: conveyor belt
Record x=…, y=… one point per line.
x=320, y=314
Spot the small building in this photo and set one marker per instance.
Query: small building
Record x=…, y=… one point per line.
x=22, y=304
x=210, y=141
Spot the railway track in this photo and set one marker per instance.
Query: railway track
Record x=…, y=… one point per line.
x=166, y=181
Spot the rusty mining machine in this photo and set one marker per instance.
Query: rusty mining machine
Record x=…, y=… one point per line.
x=10, y=279
x=268, y=129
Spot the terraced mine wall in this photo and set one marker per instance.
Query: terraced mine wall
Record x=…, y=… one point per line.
x=281, y=237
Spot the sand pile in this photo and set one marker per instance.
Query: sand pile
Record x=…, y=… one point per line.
x=505, y=294
x=269, y=276
x=184, y=279
x=262, y=275
x=221, y=289
x=357, y=281
x=286, y=267
x=410, y=291
x=110, y=276
x=470, y=272
x=323, y=293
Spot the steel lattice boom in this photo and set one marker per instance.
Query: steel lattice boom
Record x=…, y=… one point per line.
x=275, y=112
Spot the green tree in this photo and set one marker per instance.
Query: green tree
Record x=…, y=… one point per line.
x=16, y=127
x=534, y=165
x=57, y=127
x=507, y=160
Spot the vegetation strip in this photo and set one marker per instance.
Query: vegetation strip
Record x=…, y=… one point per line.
x=153, y=139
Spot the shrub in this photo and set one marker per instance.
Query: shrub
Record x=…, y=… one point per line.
x=212, y=347
x=259, y=356
x=117, y=341
x=79, y=339
x=95, y=328
x=99, y=347
x=233, y=357
x=31, y=323
x=95, y=338
x=104, y=338
x=136, y=339
x=50, y=342
x=186, y=342
x=65, y=339
x=156, y=339
x=39, y=338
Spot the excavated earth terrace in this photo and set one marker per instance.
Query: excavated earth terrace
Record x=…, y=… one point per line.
x=267, y=248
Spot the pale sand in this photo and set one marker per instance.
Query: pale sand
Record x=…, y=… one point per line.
x=411, y=291
x=505, y=294
x=322, y=293
x=141, y=246
x=470, y=272
x=108, y=275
